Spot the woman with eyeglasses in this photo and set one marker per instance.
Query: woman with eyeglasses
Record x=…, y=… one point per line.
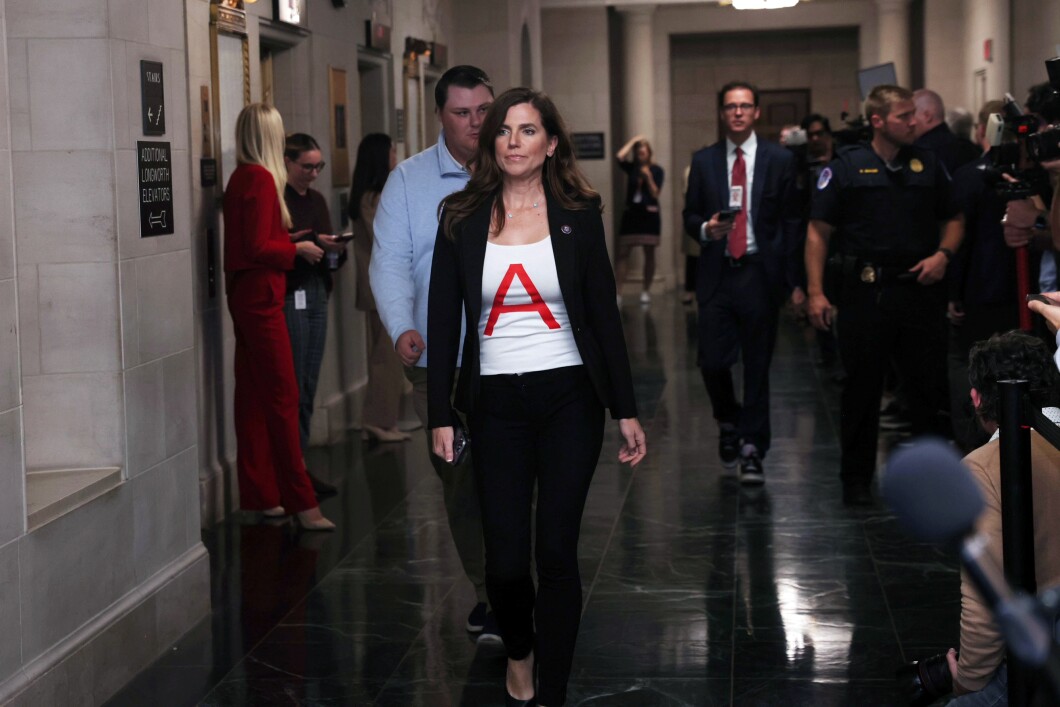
x=258, y=252
x=376, y=158
x=309, y=283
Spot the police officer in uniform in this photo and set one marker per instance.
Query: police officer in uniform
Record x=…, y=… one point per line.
x=888, y=205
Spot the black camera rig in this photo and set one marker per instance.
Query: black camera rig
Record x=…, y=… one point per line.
x=1021, y=159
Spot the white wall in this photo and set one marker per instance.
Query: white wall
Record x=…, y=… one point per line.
x=488, y=36
x=579, y=38
x=1036, y=34
x=102, y=347
x=1024, y=32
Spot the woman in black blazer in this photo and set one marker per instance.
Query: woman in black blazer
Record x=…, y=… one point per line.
x=521, y=254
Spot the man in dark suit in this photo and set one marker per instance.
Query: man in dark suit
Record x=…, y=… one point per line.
x=740, y=207
x=932, y=132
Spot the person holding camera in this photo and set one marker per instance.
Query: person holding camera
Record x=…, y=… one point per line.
x=884, y=202
x=979, y=672
x=741, y=207
x=641, y=224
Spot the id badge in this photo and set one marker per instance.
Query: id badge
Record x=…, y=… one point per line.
x=299, y=299
x=736, y=197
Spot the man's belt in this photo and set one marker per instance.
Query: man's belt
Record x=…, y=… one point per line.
x=746, y=259
x=872, y=274
x=871, y=271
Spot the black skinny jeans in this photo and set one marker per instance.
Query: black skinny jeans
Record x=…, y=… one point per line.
x=548, y=427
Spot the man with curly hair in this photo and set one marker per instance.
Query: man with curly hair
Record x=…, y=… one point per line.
x=980, y=675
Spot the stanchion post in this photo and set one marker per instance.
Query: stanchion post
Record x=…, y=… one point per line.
x=1017, y=512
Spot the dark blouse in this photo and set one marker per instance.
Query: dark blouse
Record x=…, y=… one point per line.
x=642, y=214
x=309, y=210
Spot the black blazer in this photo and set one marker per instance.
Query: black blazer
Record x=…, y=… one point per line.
x=774, y=210
x=588, y=287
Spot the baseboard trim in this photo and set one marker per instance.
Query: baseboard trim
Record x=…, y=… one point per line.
x=26, y=677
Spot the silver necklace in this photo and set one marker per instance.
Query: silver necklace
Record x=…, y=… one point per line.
x=512, y=215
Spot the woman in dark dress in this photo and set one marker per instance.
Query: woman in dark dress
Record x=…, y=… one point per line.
x=640, y=221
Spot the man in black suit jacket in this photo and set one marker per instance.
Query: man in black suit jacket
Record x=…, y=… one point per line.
x=747, y=268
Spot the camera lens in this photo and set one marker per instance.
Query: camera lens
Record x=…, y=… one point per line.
x=924, y=681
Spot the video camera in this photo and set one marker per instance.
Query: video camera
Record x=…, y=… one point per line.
x=1022, y=159
x=857, y=130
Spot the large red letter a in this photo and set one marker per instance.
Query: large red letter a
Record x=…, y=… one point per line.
x=536, y=303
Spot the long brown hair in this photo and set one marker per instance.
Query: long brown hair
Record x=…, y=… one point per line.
x=560, y=173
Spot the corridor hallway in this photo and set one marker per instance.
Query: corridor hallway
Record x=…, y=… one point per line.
x=697, y=591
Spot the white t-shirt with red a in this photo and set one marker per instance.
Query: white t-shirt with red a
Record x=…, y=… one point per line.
x=524, y=325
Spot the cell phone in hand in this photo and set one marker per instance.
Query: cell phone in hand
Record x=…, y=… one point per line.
x=1040, y=298
x=344, y=237
x=727, y=214
x=461, y=441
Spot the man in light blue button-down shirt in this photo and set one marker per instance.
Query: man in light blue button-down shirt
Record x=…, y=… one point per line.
x=406, y=224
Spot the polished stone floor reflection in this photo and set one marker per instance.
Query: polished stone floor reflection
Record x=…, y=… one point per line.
x=697, y=591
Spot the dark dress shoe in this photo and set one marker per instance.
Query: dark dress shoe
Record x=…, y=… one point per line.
x=322, y=488
x=510, y=701
x=857, y=495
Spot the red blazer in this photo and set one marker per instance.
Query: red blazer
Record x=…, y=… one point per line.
x=255, y=238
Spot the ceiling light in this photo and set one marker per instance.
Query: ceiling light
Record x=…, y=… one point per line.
x=763, y=4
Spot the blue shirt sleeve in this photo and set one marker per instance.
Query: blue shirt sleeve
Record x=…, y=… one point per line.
x=391, y=268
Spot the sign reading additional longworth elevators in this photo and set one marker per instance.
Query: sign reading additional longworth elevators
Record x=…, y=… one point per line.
x=152, y=98
x=155, y=180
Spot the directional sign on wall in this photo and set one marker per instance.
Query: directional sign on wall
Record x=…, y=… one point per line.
x=155, y=180
x=152, y=97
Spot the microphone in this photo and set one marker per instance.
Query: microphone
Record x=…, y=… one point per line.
x=936, y=500
x=934, y=497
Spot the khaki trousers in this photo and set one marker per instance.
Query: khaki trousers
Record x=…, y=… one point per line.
x=460, y=492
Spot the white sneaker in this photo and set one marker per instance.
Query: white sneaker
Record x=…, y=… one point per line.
x=645, y=298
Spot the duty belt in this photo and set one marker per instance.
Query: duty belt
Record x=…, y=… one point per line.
x=871, y=272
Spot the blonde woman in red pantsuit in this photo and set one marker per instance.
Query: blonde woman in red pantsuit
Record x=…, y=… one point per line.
x=258, y=253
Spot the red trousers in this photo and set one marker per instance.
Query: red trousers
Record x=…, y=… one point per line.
x=268, y=449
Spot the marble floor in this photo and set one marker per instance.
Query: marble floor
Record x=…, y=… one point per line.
x=697, y=591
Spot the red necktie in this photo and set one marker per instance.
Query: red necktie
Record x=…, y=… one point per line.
x=738, y=234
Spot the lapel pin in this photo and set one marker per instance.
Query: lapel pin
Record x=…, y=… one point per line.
x=566, y=229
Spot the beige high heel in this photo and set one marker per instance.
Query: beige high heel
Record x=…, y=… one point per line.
x=313, y=519
x=274, y=512
x=391, y=435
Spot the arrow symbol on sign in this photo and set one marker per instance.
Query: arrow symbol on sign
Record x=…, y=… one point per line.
x=150, y=115
x=159, y=220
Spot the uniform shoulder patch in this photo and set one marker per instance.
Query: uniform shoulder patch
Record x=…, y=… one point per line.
x=824, y=178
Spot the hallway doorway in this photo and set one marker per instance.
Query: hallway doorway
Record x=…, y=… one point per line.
x=780, y=108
